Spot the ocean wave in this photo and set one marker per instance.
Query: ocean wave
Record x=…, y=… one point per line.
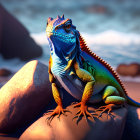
x=40, y=38
x=110, y=37
x=113, y=46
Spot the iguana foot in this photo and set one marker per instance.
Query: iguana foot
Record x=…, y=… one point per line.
x=57, y=111
x=108, y=107
x=83, y=111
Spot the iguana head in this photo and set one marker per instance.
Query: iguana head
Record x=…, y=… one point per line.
x=61, y=33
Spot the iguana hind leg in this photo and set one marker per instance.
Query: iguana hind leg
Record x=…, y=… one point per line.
x=88, y=90
x=112, y=98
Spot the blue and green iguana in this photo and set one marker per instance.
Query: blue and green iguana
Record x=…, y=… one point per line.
x=74, y=67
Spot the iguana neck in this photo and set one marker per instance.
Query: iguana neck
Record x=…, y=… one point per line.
x=64, y=51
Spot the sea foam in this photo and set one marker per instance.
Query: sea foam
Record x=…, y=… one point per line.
x=110, y=37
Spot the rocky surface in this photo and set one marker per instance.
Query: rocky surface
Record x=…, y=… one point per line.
x=24, y=96
x=132, y=127
x=5, y=72
x=106, y=128
x=15, y=40
x=129, y=70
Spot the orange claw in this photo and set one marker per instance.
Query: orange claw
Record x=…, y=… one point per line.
x=108, y=107
x=57, y=111
x=83, y=111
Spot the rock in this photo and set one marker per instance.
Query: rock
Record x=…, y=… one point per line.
x=106, y=128
x=132, y=128
x=129, y=70
x=15, y=40
x=24, y=96
x=5, y=72
x=100, y=9
x=8, y=138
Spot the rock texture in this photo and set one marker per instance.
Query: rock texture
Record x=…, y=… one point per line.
x=132, y=128
x=24, y=96
x=129, y=70
x=106, y=128
x=15, y=40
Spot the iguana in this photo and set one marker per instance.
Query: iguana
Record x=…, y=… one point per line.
x=74, y=67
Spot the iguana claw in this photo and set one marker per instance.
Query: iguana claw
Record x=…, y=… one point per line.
x=108, y=107
x=83, y=111
x=57, y=111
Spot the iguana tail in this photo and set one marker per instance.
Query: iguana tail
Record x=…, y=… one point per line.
x=132, y=102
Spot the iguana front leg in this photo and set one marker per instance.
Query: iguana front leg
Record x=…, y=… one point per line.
x=59, y=109
x=51, y=77
x=88, y=90
x=55, y=90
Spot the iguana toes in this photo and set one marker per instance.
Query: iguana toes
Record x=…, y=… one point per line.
x=79, y=71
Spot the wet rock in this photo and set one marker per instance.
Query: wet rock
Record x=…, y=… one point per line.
x=15, y=40
x=24, y=96
x=100, y=9
x=106, y=128
x=129, y=70
x=5, y=72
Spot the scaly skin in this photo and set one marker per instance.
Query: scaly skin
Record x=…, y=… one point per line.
x=80, y=72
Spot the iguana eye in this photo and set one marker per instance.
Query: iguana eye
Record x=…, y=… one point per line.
x=67, y=27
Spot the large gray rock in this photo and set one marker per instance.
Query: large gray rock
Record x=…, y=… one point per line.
x=24, y=96
x=105, y=128
x=15, y=40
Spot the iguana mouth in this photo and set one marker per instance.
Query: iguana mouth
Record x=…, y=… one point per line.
x=61, y=35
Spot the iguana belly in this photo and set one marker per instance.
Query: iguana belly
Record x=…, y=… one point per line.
x=73, y=85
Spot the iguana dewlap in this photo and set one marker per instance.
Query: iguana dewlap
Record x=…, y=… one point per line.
x=80, y=72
